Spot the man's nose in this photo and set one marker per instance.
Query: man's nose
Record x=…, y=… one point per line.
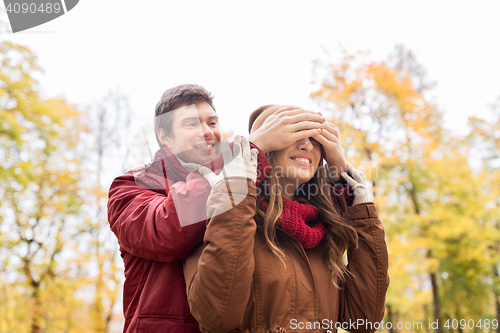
x=206, y=131
x=305, y=144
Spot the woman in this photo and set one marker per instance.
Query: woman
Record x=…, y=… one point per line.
x=274, y=262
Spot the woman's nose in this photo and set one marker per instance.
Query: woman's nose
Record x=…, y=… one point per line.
x=305, y=144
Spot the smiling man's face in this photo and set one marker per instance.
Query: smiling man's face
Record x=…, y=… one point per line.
x=195, y=133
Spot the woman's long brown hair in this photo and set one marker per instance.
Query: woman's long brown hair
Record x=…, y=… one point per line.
x=332, y=212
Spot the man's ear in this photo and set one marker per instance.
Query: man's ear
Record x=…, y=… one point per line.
x=164, y=139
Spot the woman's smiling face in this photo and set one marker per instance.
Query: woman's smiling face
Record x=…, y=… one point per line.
x=296, y=164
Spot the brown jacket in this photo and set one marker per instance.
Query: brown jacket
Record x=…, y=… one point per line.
x=236, y=284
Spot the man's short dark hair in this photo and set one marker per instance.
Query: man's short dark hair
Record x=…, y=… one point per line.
x=174, y=98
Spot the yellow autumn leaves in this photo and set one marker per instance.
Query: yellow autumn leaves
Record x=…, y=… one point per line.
x=442, y=216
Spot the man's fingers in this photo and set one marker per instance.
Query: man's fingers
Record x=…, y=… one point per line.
x=296, y=116
x=290, y=111
x=304, y=134
x=286, y=108
x=305, y=125
x=287, y=112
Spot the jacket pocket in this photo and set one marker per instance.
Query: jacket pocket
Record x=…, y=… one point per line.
x=161, y=324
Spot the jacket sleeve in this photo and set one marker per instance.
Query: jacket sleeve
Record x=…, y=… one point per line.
x=146, y=222
x=219, y=274
x=363, y=296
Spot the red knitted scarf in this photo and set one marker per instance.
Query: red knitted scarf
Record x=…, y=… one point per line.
x=295, y=220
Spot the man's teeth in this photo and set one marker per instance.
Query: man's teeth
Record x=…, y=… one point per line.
x=305, y=160
x=204, y=147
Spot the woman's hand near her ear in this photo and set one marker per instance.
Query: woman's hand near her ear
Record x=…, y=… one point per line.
x=357, y=183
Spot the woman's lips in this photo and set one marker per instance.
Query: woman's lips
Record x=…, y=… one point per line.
x=304, y=161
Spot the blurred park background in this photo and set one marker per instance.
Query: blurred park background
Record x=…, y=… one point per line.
x=433, y=167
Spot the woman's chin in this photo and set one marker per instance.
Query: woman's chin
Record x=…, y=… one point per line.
x=304, y=177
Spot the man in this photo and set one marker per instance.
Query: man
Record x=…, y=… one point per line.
x=157, y=212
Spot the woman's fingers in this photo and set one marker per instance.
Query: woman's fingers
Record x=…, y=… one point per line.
x=227, y=153
x=330, y=136
x=331, y=129
x=321, y=139
x=208, y=175
x=327, y=139
x=254, y=153
x=251, y=165
x=245, y=147
x=358, y=186
x=351, y=170
x=348, y=179
x=357, y=175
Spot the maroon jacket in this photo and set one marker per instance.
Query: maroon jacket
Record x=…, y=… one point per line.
x=142, y=213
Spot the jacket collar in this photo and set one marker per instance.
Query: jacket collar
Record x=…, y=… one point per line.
x=171, y=162
x=172, y=167
x=174, y=170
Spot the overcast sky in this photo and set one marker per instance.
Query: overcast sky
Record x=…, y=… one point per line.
x=254, y=53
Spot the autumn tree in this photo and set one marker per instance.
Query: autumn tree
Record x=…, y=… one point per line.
x=111, y=147
x=430, y=201
x=39, y=198
x=59, y=265
x=485, y=140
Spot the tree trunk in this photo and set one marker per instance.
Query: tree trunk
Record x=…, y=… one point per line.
x=459, y=315
x=495, y=273
x=498, y=314
x=435, y=301
x=426, y=325
x=432, y=275
x=37, y=308
x=391, y=319
x=496, y=296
